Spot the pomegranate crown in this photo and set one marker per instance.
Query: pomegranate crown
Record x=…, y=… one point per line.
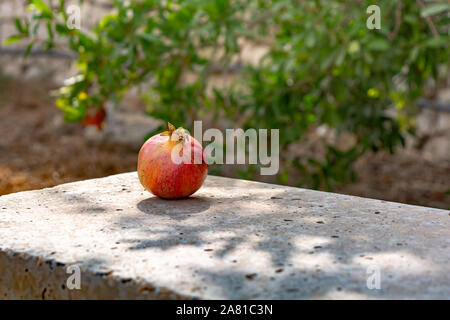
x=177, y=135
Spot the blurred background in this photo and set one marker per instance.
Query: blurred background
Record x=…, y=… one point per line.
x=361, y=111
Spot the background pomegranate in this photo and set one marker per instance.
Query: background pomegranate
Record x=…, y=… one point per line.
x=162, y=176
x=95, y=119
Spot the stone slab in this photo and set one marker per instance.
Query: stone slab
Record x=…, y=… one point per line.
x=233, y=239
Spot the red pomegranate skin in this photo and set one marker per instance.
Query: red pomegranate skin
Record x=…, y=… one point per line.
x=163, y=177
x=96, y=119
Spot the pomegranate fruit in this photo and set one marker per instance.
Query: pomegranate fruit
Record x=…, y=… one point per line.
x=171, y=164
x=95, y=119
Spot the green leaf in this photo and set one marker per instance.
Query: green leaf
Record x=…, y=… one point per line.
x=42, y=7
x=61, y=28
x=19, y=26
x=433, y=9
x=29, y=47
x=50, y=31
x=378, y=45
x=62, y=11
x=13, y=39
x=284, y=177
x=148, y=37
x=436, y=42
x=413, y=54
x=310, y=40
x=327, y=61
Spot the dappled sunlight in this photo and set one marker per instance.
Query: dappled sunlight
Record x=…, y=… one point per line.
x=399, y=262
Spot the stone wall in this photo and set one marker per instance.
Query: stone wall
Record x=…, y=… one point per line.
x=233, y=239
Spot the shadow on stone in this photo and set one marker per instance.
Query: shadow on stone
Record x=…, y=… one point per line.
x=179, y=209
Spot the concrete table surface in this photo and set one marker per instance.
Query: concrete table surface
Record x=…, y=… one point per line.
x=233, y=239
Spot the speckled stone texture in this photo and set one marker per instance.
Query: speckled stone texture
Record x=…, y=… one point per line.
x=233, y=239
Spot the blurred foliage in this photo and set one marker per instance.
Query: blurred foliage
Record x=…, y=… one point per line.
x=323, y=66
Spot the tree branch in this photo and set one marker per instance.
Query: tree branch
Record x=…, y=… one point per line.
x=398, y=20
x=429, y=21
